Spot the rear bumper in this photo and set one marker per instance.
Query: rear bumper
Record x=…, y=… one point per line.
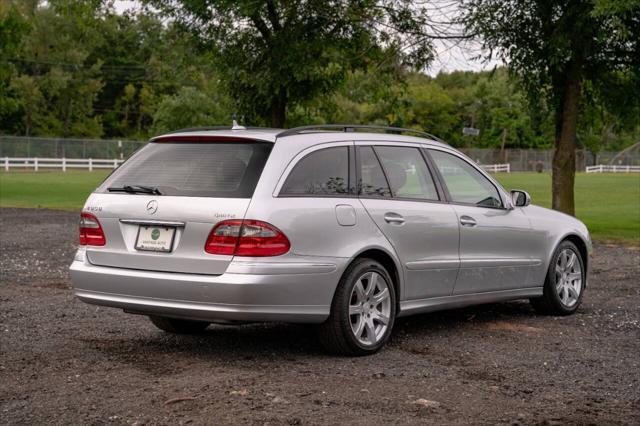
x=269, y=291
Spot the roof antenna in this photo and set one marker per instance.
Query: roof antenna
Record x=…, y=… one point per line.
x=236, y=126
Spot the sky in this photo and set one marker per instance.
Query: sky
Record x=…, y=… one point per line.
x=448, y=57
x=458, y=58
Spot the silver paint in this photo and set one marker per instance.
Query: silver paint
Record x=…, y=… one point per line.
x=446, y=255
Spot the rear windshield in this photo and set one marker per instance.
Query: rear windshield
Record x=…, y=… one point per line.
x=202, y=169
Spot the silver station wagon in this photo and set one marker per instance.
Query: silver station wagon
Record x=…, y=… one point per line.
x=347, y=227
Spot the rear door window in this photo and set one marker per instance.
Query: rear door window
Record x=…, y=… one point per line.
x=202, y=169
x=407, y=173
x=322, y=173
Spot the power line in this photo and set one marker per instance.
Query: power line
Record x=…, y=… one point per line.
x=74, y=65
x=118, y=75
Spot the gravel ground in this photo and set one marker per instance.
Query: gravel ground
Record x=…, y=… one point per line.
x=63, y=362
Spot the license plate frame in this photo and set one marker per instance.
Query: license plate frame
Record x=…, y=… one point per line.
x=150, y=244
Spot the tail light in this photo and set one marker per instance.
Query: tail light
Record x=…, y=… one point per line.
x=91, y=233
x=246, y=238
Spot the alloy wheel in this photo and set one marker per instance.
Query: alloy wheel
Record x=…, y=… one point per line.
x=370, y=308
x=568, y=273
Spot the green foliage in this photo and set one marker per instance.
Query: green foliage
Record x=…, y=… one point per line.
x=544, y=40
x=188, y=108
x=13, y=27
x=541, y=38
x=279, y=54
x=77, y=68
x=54, y=98
x=441, y=105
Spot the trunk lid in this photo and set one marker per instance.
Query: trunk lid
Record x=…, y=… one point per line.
x=200, y=184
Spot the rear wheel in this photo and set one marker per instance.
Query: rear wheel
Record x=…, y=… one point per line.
x=362, y=312
x=178, y=326
x=564, y=285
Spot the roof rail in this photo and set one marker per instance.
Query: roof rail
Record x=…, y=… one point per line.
x=354, y=128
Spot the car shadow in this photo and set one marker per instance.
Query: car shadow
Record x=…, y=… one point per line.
x=268, y=342
x=515, y=311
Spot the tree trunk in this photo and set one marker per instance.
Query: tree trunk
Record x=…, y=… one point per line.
x=504, y=140
x=28, y=122
x=564, y=158
x=279, y=110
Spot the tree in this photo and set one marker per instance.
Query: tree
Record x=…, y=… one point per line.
x=13, y=27
x=30, y=100
x=52, y=84
x=276, y=54
x=188, y=108
x=557, y=47
x=428, y=105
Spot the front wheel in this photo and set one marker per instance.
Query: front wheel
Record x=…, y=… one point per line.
x=178, y=326
x=564, y=285
x=362, y=312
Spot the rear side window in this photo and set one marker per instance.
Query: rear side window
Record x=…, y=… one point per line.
x=407, y=172
x=323, y=172
x=203, y=169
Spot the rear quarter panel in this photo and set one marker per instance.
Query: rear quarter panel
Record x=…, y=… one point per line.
x=311, y=223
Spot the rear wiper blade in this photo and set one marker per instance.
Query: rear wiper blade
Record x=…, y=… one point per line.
x=136, y=189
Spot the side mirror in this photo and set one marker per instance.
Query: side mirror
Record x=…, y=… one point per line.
x=520, y=198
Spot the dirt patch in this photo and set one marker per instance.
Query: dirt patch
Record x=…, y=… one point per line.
x=63, y=362
x=512, y=326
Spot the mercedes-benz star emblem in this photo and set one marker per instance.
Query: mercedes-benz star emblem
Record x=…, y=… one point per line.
x=152, y=206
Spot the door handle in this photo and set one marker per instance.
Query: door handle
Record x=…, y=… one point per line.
x=467, y=221
x=393, y=218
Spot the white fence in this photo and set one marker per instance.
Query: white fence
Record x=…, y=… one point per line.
x=36, y=164
x=59, y=163
x=496, y=168
x=605, y=168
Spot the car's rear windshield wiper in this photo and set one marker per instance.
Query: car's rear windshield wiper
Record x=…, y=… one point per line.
x=136, y=189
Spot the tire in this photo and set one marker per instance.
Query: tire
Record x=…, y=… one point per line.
x=178, y=326
x=356, y=324
x=564, y=283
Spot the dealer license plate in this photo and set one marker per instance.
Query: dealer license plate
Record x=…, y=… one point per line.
x=155, y=238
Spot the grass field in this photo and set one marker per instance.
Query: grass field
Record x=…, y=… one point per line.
x=608, y=203
x=52, y=190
